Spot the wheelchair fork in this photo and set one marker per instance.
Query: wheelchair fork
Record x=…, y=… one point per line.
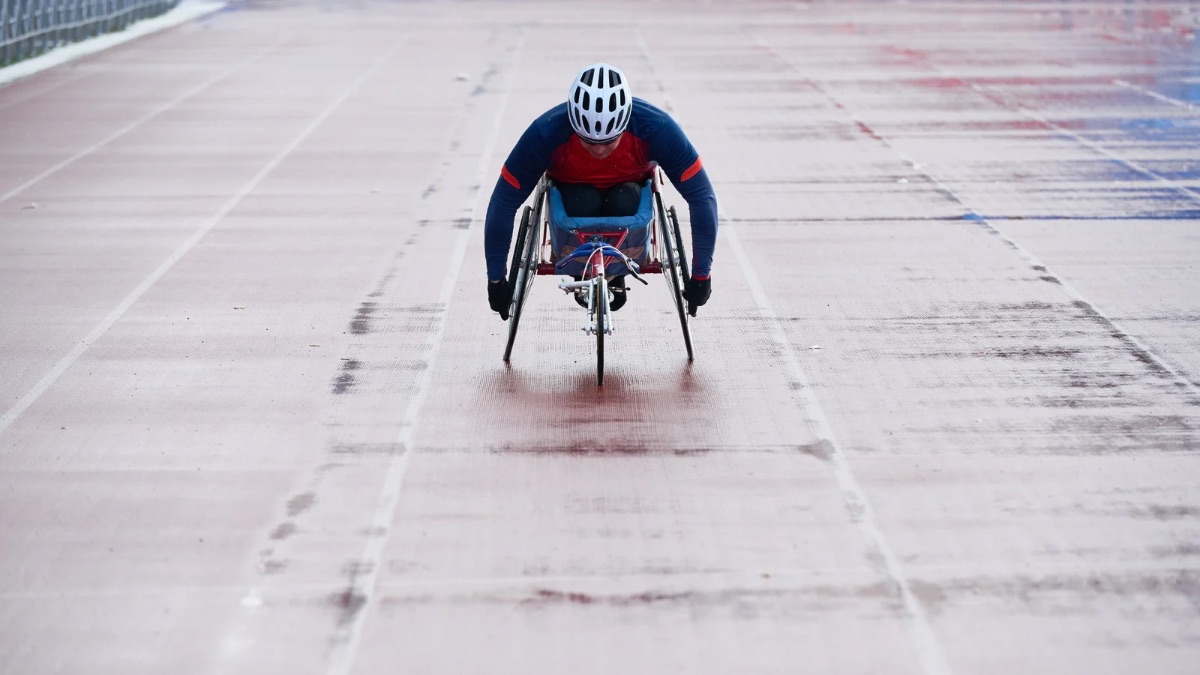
x=599, y=318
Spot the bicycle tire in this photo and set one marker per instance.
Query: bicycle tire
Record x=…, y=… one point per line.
x=600, y=298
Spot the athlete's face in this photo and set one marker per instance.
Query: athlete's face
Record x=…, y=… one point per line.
x=601, y=150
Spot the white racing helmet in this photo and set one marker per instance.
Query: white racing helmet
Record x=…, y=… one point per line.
x=599, y=103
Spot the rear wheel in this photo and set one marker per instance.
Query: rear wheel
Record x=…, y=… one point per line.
x=676, y=263
x=520, y=274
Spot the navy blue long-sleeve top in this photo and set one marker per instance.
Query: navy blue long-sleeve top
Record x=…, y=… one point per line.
x=550, y=146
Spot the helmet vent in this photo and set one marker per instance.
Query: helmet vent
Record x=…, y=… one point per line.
x=577, y=90
x=613, y=78
x=622, y=98
x=587, y=101
x=599, y=104
x=612, y=102
x=587, y=77
x=597, y=126
x=609, y=128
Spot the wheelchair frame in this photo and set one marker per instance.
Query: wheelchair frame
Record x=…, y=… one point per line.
x=530, y=258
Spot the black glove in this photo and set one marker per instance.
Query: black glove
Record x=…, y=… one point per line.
x=696, y=292
x=500, y=297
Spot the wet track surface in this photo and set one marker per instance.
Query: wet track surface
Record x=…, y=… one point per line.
x=943, y=416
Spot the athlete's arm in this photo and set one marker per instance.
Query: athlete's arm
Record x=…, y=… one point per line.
x=525, y=165
x=675, y=154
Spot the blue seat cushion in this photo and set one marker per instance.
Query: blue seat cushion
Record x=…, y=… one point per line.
x=563, y=229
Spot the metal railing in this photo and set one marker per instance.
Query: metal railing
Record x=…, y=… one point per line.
x=32, y=27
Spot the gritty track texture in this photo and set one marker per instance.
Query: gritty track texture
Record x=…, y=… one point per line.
x=943, y=415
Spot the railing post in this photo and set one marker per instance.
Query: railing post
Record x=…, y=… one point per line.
x=31, y=27
x=4, y=32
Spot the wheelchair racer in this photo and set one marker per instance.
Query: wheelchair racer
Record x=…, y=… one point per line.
x=600, y=147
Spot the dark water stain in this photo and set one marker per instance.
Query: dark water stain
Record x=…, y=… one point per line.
x=1146, y=358
x=367, y=449
x=1069, y=593
x=623, y=448
x=356, y=568
x=421, y=318
x=742, y=602
x=1079, y=402
x=1080, y=383
x=928, y=594
x=822, y=449
x=348, y=603
x=862, y=126
x=1050, y=278
x=1037, y=353
x=1167, y=512
x=429, y=190
x=545, y=596
x=361, y=324
x=1186, y=550
x=463, y=223
x=283, y=531
x=731, y=596
x=346, y=380
x=274, y=566
x=1032, y=306
x=301, y=503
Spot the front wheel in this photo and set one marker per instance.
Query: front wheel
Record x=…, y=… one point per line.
x=600, y=305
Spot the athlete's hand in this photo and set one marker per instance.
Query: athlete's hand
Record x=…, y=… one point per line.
x=500, y=297
x=696, y=292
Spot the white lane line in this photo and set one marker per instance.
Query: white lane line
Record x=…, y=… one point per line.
x=928, y=649
x=1181, y=380
x=363, y=588
x=1075, y=295
x=1129, y=338
x=61, y=367
x=1154, y=94
x=992, y=95
x=135, y=124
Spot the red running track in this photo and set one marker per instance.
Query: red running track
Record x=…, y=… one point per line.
x=942, y=419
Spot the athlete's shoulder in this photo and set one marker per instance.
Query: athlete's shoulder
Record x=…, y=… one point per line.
x=553, y=126
x=647, y=121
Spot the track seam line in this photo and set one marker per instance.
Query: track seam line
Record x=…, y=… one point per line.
x=105, y=324
x=925, y=642
x=363, y=586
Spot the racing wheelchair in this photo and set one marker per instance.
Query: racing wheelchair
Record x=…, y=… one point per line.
x=591, y=251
